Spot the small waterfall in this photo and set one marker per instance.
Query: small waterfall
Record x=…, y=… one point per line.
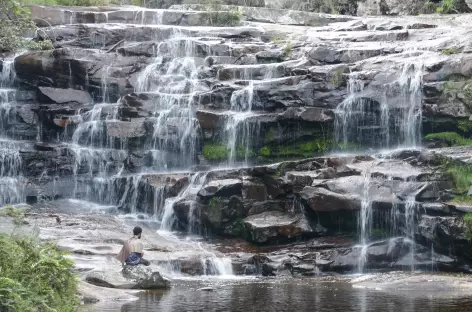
x=348, y=112
x=212, y=265
x=432, y=257
x=11, y=180
x=385, y=118
x=365, y=221
x=410, y=227
x=175, y=127
x=189, y=193
x=241, y=129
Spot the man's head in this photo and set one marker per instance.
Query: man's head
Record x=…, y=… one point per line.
x=137, y=231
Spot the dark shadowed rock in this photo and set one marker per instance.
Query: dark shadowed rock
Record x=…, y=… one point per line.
x=321, y=199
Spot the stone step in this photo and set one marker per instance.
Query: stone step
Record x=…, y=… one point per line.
x=273, y=15
x=104, y=36
x=52, y=16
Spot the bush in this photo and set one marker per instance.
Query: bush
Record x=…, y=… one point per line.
x=15, y=24
x=17, y=214
x=461, y=175
x=35, y=277
x=450, y=138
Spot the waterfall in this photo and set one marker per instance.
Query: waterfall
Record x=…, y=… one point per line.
x=175, y=128
x=389, y=117
x=365, y=220
x=410, y=227
x=11, y=180
x=167, y=217
x=242, y=129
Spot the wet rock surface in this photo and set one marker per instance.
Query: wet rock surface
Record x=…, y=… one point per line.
x=138, y=277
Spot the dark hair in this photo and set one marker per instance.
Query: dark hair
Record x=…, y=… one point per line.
x=137, y=230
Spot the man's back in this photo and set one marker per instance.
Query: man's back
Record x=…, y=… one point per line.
x=135, y=245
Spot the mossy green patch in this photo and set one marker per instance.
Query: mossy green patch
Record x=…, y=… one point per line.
x=451, y=51
x=214, y=211
x=265, y=151
x=468, y=225
x=461, y=174
x=450, y=138
x=462, y=199
x=18, y=215
x=337, y=77
x=215, y=151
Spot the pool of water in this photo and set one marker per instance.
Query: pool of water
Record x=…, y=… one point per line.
x=284, y=295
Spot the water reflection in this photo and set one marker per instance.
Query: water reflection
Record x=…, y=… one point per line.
x=286, y=295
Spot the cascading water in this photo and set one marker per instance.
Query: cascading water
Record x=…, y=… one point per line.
x=242, y=129
x=386, y=118
x=365, y=220
x=171, y=81
x=410, y=224
x=11, y=186
x=174, y=84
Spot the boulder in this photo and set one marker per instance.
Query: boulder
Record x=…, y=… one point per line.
x=131, y=277
x=274, y=225
x=221, y=188
x=448, y=234
x=322, y=199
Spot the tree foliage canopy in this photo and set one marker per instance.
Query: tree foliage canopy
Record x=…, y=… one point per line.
x=16, y=26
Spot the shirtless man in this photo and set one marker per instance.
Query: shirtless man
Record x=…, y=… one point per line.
x=132, y=251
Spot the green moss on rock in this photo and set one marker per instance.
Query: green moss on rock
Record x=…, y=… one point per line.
x=215, y=151
x=450, y=138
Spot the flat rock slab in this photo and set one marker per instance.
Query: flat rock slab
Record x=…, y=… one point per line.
x=138, y=277
x=91, y=293
x=419, y=283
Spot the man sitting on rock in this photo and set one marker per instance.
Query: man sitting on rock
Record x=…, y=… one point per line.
x=132, y=251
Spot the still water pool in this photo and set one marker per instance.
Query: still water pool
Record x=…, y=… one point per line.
x=285, y=295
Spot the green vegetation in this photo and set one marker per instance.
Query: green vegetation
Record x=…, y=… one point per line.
x=215, y=152
x=214, y=210
x=450, y=138
x=15, y=22
x=429, y=7
x=337, y=77
x=35, y=277
x=325, y=6
x=287, y=49
x=379, y=233
x=451, y=51
x=279, y=38
x=468, y=224
x=264, y=151
x=306, y=149
x=85, y=3
x=464, y=125
x=461, y=174
x=17, y=214
x=445, y=7
x=448, y=7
